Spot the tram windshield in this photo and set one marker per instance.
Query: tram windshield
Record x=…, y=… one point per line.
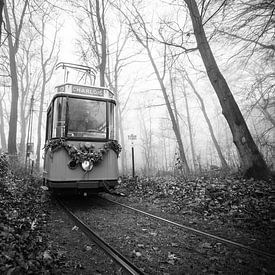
x=86, y=118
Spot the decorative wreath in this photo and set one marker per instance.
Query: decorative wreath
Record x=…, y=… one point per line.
x=85, y=152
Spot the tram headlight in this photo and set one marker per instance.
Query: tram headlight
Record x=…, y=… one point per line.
x=87, y=165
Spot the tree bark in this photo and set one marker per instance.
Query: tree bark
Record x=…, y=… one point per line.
x=252, y=162
x=216, y=144
x=2, y=129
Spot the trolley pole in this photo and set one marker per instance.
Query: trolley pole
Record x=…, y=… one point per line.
x=132, y=138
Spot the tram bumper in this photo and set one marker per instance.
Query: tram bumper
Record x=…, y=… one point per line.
x=95, y=184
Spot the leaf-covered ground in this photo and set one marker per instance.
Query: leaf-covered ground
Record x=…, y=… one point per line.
x=24, y=240
x=244, y=205
x=230, y=206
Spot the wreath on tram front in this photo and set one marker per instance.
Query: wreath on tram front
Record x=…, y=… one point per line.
x=85, y=152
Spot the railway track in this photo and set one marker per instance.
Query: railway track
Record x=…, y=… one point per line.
x=88, y=211
x=108, y=249
x=199, y=232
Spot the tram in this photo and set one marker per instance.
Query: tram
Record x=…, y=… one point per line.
x=81, y=153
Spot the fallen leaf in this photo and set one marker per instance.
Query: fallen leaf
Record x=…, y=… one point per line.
x=206, y=245
x=46, y=256
x=88, y=248
x=33, y=224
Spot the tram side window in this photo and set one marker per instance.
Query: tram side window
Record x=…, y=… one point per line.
x=49, y=124
x=111, y=121
x=59, y=117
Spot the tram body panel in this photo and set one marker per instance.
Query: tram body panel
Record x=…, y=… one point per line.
x=59, y=175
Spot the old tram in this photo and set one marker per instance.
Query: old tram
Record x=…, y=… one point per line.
x=81, y=153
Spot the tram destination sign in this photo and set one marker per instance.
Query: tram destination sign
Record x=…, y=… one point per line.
x=87, y=91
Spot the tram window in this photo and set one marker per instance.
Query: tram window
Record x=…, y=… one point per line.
x=86, y=118
x=49, y=124
x=111, y=121
x=59, y=117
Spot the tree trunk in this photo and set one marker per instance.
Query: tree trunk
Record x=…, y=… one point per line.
x=1, y=17
x=23, y=131
x=190, y=129
x=120, y=137
x=252, y=162
x=217, y=146
x=12, y=150
x=173, y=98
x=13, y=48
x=39, y=122
x=2, y=129
x=102, y=29
x=14, y=104
x=23, y=120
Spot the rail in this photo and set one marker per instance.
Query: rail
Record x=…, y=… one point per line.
x=112, y=252
x=223, y=240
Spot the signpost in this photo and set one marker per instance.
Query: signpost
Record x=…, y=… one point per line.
x=132, y=138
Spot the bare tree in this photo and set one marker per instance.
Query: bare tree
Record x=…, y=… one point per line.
x=115, y=64
x=13, y=45
x=250, y=25
x=252, y=161
x=203, y=109
x=95, y=35
x=100, y=10
x=138, y=25
x=48, y=62
x=28, y=79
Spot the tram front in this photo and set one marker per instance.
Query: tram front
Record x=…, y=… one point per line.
x=81, y=152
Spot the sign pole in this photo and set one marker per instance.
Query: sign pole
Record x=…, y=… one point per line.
x=132, y=138
x=133, y=161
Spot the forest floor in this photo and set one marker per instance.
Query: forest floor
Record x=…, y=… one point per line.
x=36, y=237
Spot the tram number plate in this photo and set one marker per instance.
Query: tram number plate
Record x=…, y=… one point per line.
x=87, y=91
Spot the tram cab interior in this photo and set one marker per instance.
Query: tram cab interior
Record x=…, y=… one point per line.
x=82, y=116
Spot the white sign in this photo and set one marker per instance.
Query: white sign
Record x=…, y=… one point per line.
x=132, y=137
